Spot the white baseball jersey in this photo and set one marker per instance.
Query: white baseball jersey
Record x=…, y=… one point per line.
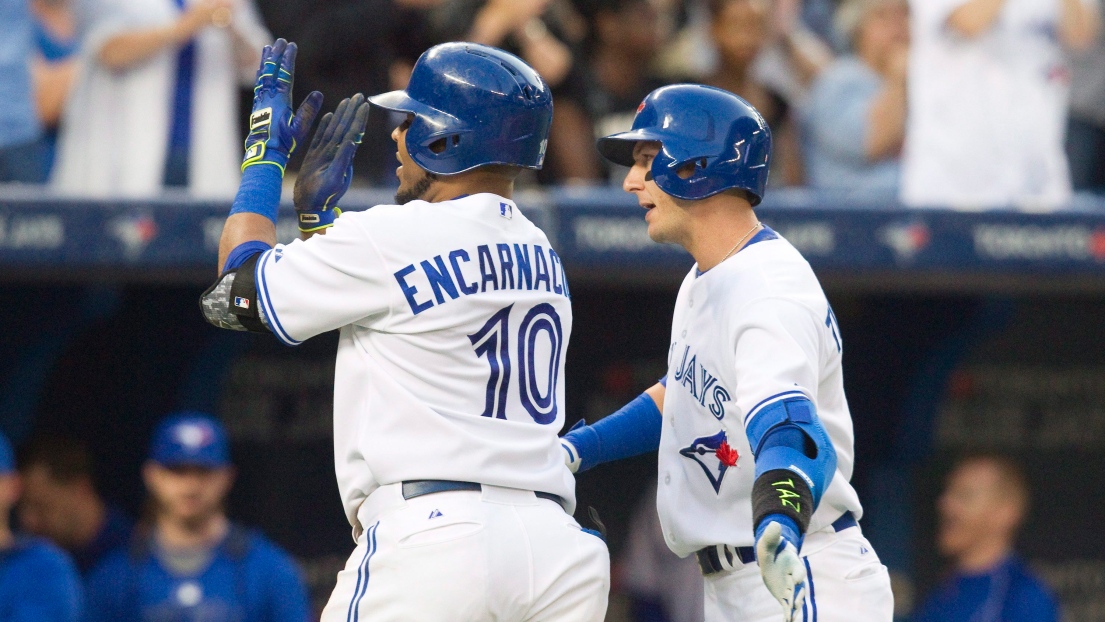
x=753, y=330
x=987, y=116
x=454, y=321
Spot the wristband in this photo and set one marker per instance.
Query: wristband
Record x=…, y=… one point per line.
x=317, y=220
x=781, y=491
x=259, y=192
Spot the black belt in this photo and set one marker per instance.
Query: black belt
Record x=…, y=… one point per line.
x=720, y=557
x=420, y=487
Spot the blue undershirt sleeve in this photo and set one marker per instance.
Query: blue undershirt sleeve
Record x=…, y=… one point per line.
x=631, y=431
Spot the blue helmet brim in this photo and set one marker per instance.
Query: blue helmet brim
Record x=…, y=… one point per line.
x=399, y=101
x=618, y=148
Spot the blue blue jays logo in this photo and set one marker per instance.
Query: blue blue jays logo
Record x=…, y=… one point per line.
x=714, y=455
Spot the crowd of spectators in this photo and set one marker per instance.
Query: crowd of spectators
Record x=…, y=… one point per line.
x=967, y=103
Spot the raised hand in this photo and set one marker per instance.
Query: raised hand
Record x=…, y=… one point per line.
x=274, y=131
x=328, y=166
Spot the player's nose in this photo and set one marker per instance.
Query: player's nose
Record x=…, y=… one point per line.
x=395, y=134
x=634, y=179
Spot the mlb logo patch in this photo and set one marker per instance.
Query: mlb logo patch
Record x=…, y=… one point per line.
x=506, y=210
x=241, y=303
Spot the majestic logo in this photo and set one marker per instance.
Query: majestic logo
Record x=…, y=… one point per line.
x=714, y=455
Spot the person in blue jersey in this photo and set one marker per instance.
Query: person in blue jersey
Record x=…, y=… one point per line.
x=60, y=502
x=38, y=583
x=190, y=562
x=981, y=510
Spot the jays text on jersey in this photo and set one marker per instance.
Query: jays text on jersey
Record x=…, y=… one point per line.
x=452, y=346
x=753, y=330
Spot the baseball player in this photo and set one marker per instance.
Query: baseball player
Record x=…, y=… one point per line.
x=190, y=562
x=751, y=422
x=38, y=582
x=454, y=318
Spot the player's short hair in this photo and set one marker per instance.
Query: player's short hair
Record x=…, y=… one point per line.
x=66, y=460
x=1011, y=477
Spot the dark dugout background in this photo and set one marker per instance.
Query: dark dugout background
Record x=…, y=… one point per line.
x=927, y=377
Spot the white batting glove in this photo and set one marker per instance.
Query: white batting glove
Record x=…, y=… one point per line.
x=572, y=458
x=782, y=570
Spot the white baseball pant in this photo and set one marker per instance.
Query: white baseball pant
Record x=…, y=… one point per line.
x=500, y=554
x=846, y=582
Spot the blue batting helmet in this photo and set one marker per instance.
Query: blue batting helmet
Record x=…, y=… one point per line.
x=721, y=134
x=489, y=106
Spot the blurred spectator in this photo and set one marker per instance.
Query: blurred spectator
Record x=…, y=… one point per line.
x=624, y=39
x=22, y=151
x=1086, y=132
x=740, y=29
x=54, y=64
x=156, y=100
x=855, y=120
x=190, y=562
x=547, y=34
x=794, y=56
x=60, y=502
x=661, y=586
x=989, y=89
x=982, y=508
x=37, y=581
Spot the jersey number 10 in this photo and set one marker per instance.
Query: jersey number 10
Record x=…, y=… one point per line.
x=493, y=341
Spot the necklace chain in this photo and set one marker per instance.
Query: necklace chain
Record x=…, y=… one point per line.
x=743, y=237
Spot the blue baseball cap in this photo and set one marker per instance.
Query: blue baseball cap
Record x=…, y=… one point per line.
x=190, y=439
x=7, y=456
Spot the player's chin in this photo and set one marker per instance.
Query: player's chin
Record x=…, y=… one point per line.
x=656, y=229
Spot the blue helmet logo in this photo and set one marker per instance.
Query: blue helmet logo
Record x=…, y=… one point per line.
x=477, y=105
x=724, y=140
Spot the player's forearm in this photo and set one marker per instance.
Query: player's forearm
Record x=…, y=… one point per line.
x=242, y=228
x=253, y=215
x=1078, y=24
x=975, y=17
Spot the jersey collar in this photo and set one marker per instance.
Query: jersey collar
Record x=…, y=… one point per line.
x=767, y=233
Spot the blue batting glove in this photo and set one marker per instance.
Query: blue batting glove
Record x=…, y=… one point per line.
x=784, y=574
x=328, y=166
x=273, y=131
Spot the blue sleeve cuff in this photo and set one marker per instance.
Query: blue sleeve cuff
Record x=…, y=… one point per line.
x=259, y=192
x=664, y=381
x=242, y=252
x=633, y=430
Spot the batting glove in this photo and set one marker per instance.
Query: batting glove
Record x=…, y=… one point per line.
x=273, y=130
x=572, y=458
x=328, y=167
x=781, y=568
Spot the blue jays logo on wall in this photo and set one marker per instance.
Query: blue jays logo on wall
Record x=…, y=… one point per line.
x=714, y=455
